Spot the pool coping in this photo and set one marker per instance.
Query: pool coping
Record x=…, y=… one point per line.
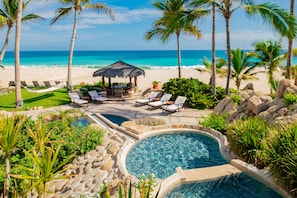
x=184, y=176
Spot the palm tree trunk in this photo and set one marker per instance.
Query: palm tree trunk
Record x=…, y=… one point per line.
x=18, y=94
x=5, y=44
x=178, y=54
x=213, y=50
x=228, y=54
x=7, y=179
x=69, y=77
x=290, y=44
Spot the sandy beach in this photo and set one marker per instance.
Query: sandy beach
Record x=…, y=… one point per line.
x=86, y=75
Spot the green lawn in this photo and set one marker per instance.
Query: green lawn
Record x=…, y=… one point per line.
x=46, y=100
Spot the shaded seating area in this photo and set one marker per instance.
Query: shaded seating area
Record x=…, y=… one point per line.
x=178, y=104
x=76, y=100
x=163, y=101
x=148, y=99
x=96, y=97
x=119, y=69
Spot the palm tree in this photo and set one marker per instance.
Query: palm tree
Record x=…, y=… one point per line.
x=290, y=45
x=269, y=55
x=18, y=94
x=208, y=67
x=77, y=6
x=176, y=19
x=10, y=130
x=8, y=17
x=270, y=13
x=197, y=4
x=243, y=66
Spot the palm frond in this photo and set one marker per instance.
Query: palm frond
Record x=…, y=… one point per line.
x=101, y=9
x=276, y=16
x=60, y=13
x=31, y=17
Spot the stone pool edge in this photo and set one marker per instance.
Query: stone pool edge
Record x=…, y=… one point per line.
x=185, y=176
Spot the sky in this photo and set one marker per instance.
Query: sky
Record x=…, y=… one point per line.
x=133, y=18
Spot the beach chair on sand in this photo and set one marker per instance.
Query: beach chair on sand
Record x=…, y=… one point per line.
x=75, y=99
x=163, y=100
x=96, y=97
x=36, y=84
x=148, y=99
x=178, y=104
x=47, y=83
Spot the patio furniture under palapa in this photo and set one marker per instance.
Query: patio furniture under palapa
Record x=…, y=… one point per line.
x=119, y=69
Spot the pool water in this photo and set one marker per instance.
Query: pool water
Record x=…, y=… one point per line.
x=239, y=185
x=162, y=154
x=83, y=121
x=115, y=118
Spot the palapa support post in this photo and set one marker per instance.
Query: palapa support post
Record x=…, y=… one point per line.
x=103, y=83
x=130, y=84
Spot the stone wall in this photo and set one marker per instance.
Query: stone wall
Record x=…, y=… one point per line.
x=252, y=103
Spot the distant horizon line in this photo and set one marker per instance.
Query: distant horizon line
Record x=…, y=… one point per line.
x=124, y=50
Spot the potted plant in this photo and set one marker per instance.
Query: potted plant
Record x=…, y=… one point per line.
x=155, y=84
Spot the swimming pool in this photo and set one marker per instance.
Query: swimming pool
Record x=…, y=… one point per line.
x=115, y=118
x=239, y=185
x=162, y=154
x=83, y=121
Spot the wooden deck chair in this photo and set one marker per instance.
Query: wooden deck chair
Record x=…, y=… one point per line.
x=178, y=104
x=35, y=83
x=163, y=100
x=47, y=83
x=11, y=83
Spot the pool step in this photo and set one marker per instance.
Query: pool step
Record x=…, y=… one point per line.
x=198, y=174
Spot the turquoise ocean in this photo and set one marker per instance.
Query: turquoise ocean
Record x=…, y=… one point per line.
x=141, y=58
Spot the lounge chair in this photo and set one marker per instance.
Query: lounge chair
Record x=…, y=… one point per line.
x=178, y=104
x=24, y=84
x=11, y=83
x=47, y=83
x=148, y=99
x=36, y=84
x=75, y=99
x=96, y=97
x=163, y=100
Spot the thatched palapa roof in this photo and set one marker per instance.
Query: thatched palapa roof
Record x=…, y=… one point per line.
x=119, y=69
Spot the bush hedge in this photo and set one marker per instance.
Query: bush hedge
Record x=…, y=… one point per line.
x=199, y=95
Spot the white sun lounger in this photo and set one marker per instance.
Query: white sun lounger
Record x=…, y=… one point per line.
x=148, y=99
x=178, y=104
x=163, y=100
x=75, y=99
x=96, y=97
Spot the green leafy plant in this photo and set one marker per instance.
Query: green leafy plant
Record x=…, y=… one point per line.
x=246, y=139
x=199, y=95
x=215, y=121
x=281, y=154
x=235, y=98
x=290, y=98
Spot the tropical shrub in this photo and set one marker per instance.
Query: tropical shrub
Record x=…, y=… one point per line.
x=235, y=98
x=215, y=121
x=199, y=95
x=62, y=138
x=246, y=139
x=290, y=98
x=281, y=154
